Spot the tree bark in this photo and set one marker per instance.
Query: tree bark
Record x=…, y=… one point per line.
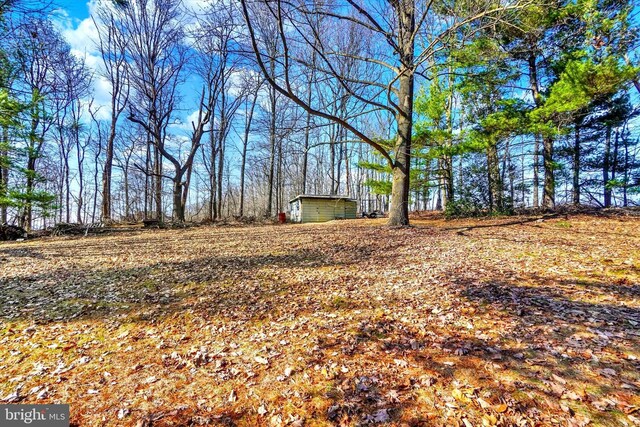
x=147, y=183
x=625, y=201
x=213, y=155
x=305, y=154
x=4, y=174
x=158, y=180
x=614, y=162
x=495, y=179
x=536, y=178
x=35, y=145
x=535, y=92
x=178, y=206
x=605, y=168
x=127, y=202
x=399, y=210
x=548, y=200
x=576, y=166
x=221, y=150
x=272, y=144
x=245, y=144
x=107, y=171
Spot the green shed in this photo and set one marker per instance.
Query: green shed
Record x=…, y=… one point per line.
x=317, y=208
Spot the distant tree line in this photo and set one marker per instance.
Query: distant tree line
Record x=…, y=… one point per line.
x=227, y=109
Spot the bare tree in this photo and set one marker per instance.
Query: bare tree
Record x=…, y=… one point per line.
x=393, y=28
x=254, y=90
x=112, y=44
x=219, y=62
x=39, y=53
x=157, y=55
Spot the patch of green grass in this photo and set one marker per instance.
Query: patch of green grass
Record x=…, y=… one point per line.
x=563, y=224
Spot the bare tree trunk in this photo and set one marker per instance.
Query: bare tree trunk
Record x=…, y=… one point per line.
x=614, y=165
x=279, y=179
x=178, y=207
x=576, y=166
x=548, y=200
x=26, y=219
x=495, y=179
x=535, y=91
x=605, y=167
x=221, y=152
x=625, y=201
x=399, y=210
x=340, y=160
x=425, y=189
x=67, y=190
x=245, y=144
x=127, y=202
x=107, y=171
x=158, y=180
x=305, y=154
x=332, y=160
x=442, y=185
x=185, y=191
x=347, y=170
x=112, y=44
x=4, y=172
x=447, y=172
x=147, y=175
x=213, y=155
x=80, y=160
x=448, y=160
x=96, y=160
x=272, y=143
x=35, y=144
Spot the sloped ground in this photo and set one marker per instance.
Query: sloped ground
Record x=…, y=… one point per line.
x=470, y=323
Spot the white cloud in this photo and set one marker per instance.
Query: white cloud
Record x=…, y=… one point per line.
x=196, y=5
x=184, y=125
x=82, y=36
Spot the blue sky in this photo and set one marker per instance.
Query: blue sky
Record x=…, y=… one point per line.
x=73, y=19
x=76, y=9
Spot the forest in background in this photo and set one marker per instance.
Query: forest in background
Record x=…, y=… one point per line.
x=201, y=110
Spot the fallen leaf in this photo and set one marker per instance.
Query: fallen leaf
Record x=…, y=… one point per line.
x=489, y=420
x=501, y=408
x=483, y=403
x=261, y=360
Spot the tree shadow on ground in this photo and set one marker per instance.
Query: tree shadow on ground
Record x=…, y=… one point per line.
x=565, y=341
x=229, y=282
x=553, y=353
x=20, y=253
x=534, y=343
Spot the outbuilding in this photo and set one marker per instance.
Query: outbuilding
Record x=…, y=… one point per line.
x=319, y=208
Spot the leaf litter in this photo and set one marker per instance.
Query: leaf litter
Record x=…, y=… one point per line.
x=450, y=323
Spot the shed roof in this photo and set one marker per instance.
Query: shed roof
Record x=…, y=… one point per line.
x=320, y=196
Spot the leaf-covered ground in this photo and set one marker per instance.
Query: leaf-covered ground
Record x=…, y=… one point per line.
x=457, y=323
